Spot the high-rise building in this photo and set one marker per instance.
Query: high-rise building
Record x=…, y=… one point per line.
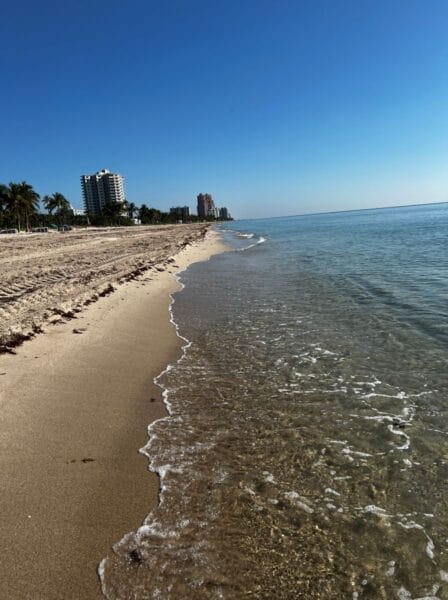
x=224, y=213
x=183, y=212
x=213, y=212
x=205, y=203
x=100, y=189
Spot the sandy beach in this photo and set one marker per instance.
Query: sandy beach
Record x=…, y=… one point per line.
x=76, y=400
x=47, y=277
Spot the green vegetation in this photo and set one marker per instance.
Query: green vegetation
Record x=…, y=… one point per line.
x=59, y=205
x=18, y=204
x=123, y=214
x=153, y=216
x=114, y=214
x=20, y=208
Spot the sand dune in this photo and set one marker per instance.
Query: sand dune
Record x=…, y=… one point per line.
x=44, y=277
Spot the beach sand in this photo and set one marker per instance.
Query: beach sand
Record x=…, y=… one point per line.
x=75, y=405
x=48, y=276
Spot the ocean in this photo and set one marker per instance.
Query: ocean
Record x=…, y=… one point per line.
x=306, y=451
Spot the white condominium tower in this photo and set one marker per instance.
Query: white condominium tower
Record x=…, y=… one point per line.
x=100, y=189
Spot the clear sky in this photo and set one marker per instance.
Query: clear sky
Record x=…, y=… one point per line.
x=275, y=107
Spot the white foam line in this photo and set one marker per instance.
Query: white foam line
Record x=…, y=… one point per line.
x=165, y=392
x=399, y=396
x=348, y=450
x=437, y=430
x=429, y=545
x=161, y=471
x=374, y=510
x=100, y=571
x=407, y=443
x=260, y=240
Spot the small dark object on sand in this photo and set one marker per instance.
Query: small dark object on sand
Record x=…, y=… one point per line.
x=135, y=557
x=86, y=460
x=153, y=399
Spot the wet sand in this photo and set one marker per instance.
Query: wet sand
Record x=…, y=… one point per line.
x=75, y=405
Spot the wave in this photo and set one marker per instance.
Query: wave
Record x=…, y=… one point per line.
x=260, y=240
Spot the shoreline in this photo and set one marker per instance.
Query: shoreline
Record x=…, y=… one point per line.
x=76, y=411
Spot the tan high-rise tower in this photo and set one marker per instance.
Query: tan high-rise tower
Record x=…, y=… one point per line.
x=205, y=204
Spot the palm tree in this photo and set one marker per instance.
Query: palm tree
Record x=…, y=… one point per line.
x=21, y=201
x=48, y=202
x=3, y=190
x=131, y=210
x=112, y=212
x=30, y=201
x=3, y=206
x=143, y=214
x=149, y=215
x=58, y=203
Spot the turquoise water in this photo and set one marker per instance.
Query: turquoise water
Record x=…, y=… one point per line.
x=306, y=452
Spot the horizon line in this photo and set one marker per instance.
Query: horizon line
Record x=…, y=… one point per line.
x=347, y=210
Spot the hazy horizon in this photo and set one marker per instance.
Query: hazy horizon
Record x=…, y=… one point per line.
x=275, y=108
x=350, y=210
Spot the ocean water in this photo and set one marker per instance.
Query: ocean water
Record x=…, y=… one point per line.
x=306, y=451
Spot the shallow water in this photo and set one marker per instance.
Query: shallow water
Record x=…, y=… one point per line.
x=306, y=451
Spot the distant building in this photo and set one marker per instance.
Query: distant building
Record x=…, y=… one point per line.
x=205, y=203
x=213, y=212
x=183, y=212
x=77, y=211
x=101, y=189
x=224, y=214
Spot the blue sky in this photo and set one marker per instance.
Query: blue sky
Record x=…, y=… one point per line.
x=275, y=107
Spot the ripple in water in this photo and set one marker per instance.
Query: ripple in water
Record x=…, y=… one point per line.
x=305, y=455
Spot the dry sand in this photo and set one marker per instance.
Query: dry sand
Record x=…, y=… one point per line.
x=46, y=276
x=74, y=412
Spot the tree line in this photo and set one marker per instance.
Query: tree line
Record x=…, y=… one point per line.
x=116, y=214
x=21, y=208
